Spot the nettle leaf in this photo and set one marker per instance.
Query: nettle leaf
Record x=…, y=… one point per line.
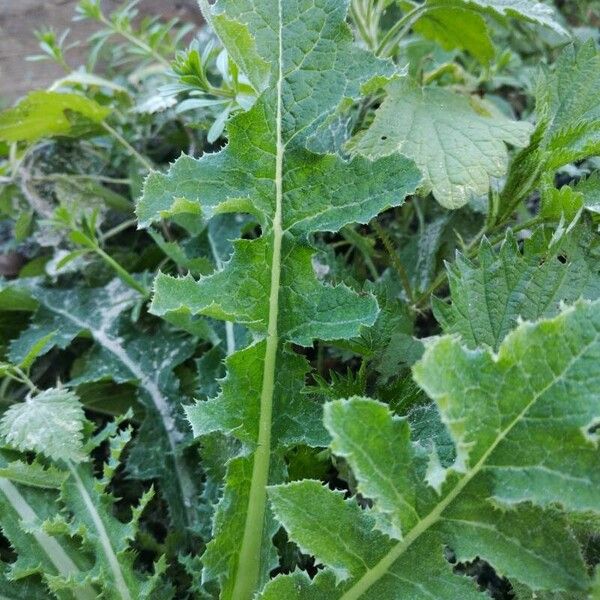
x=50, y=423
x=269, y=284
x=124, y=354
x=568, y=128
x=567, y=109
x=491, y=294
x=499, y=499
x=459, y=143
x=589, y=188
x=44, y=114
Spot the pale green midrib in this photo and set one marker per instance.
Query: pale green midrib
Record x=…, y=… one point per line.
x=248, y=568
x=382, y=567
x=103, y=536
x=50, y=546
x=184, y=481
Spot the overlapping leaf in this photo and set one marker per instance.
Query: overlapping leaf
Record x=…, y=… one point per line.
x=302, y=56
x=568, y=126
x=50, y=423
x=567, y=109
x=523, y=424
x=528, y=10
x=461, y=23
x=84, y=548
x=24, y=509
x=44, y=114
x=490, y=295
x=124, y=354
x=459, y=143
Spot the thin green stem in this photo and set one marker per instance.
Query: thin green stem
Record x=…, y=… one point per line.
x=136, y=42
x=394, y=259
x=400, y=28
x=101, y=178
x=361, y=26
x=141, y=159
x=355, y=239
x=22, y=377
x=118, y=229
x=123, y=274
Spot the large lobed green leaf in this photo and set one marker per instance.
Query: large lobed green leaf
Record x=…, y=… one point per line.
x=303, y=57
x=523, y=423
x=459, y=143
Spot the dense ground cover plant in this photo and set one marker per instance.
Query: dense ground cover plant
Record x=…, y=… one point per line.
x=305, y=305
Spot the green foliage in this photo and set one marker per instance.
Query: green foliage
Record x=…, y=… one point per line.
x=83, y=548
x=306, y=309
x=458, y=143
x=504, y=484
x=50, y=423
x=45, y=114
x=265, y=170
x=490, y=296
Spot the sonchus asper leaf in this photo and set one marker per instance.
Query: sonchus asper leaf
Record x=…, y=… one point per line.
x=268, y=284
x=24, y=509
x=523, y=423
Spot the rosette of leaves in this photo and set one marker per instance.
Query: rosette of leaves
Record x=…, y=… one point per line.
x=301, y=59
x=524, y=426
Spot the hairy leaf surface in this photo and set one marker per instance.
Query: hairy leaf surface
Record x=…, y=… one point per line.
x=497, y=501
x=459, y=143
x=123, y=354
x=489, y=295
x=50, y=423
x=568, y=127
x=269, y=284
